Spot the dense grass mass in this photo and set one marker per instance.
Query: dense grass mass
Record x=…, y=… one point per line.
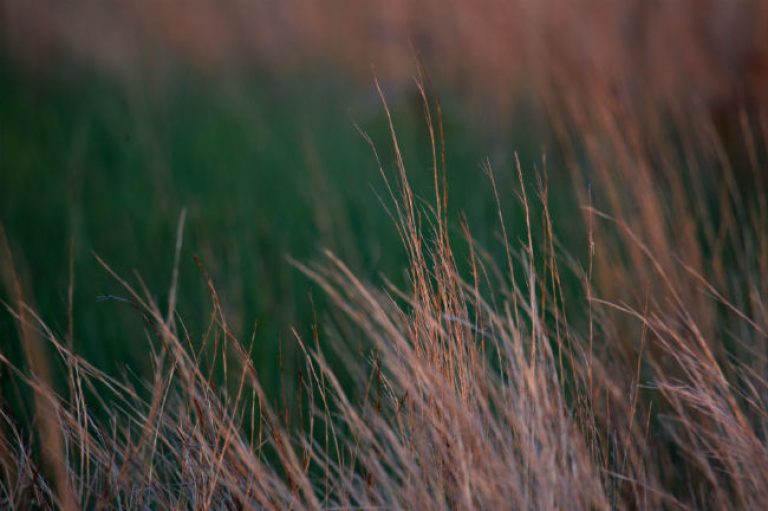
x=281, y=287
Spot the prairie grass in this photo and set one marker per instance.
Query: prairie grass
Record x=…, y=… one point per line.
x=602, y=345
x=631, y=376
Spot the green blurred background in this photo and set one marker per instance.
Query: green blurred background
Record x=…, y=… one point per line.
x=267, y=165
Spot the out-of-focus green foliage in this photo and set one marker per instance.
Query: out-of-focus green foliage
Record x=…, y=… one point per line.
x=266, y=168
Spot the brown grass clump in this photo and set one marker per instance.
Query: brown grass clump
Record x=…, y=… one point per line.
x=485, y=384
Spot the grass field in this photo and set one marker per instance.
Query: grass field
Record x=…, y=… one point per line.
x=298, y=289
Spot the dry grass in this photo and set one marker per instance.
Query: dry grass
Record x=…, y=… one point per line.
x=489, y=387
x=630, y=376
